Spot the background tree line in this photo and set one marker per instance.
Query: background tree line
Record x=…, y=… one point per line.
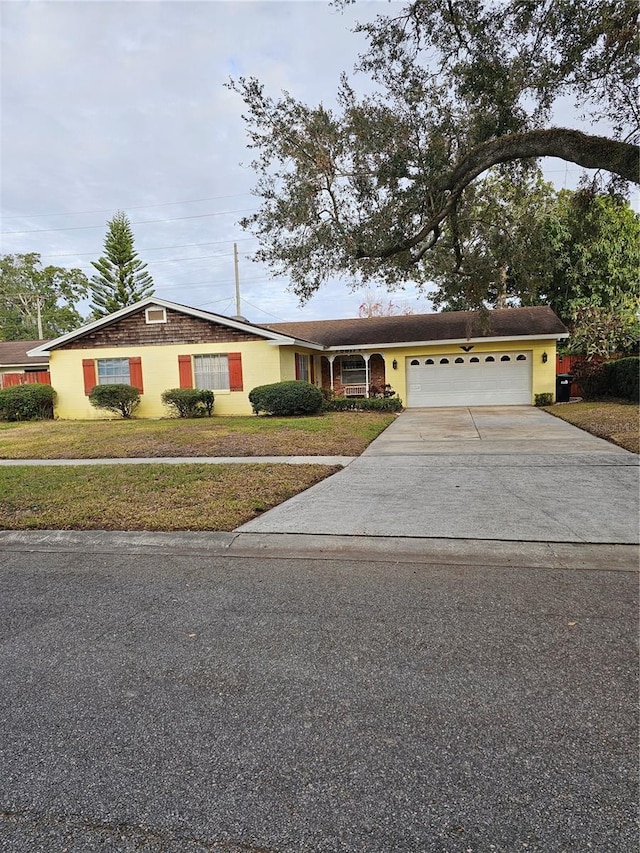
x=42, y=302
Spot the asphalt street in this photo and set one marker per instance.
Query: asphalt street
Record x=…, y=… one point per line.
x=177, y=699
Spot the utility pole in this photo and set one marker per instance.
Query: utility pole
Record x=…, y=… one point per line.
x=39, y=309
x=235, y=265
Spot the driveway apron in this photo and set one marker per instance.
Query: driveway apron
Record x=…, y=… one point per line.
x=511, y=473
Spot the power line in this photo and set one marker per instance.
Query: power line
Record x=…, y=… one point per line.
x=137, y=207
x=181, y=284
x=141, y=222
x=275, y=316
x=158, y=248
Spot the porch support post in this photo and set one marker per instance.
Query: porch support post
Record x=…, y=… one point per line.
x=331, y=359
x=366, y=356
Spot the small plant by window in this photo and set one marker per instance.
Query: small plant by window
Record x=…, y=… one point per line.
x=189, y=402
x=119, y=399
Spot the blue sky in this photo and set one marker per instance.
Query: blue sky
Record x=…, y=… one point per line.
x=110, y=106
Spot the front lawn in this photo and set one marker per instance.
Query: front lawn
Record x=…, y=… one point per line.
x=147, y=497
x=331, y=434
x=617, y=421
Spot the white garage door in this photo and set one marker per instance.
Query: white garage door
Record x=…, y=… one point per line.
x=465, y=379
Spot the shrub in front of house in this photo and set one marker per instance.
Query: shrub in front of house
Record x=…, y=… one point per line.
x=544, y=399
x=189, y=402
x=286, y=398
x=622, y=378
x=27, y=402
x=364, y=404
x=119, y=399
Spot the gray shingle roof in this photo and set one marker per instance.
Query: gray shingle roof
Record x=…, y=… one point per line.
x=15, y=353
x=449, y=325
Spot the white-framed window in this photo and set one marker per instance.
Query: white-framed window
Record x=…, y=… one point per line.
x=352, y=370
x=155, y=314
x=113, y=371
x=302, y=367
x=211, y=372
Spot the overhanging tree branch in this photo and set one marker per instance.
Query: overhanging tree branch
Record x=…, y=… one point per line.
x=591, y=152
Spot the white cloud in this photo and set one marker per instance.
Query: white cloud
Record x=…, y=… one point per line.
x=116, y=105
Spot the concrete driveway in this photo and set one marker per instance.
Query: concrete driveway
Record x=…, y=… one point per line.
x=511, y=473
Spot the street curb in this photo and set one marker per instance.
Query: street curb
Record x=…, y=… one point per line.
x=473, y=553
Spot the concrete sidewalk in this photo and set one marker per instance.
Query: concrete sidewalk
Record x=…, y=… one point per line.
x=190, y=460
x=495, y=473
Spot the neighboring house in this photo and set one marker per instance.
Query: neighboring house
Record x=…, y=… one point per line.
x=18, y=368
x=501, y=357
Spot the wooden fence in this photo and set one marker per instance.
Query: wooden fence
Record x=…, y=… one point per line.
x=7, y=380
x=564, y=364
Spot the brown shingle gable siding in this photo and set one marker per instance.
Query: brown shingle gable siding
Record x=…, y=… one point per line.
x=179, y=329
x=451, y=325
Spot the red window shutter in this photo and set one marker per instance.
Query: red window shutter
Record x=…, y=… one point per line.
x=135, y=373
x=235, y=371
x=185, y=372
x=312, y=373
x=297, y=361
x=89, y=373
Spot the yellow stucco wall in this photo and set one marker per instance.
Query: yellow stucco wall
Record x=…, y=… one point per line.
x=260, y=365
x=288, y=363
x=543, y=374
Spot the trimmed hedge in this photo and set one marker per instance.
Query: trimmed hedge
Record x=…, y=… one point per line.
x=27, y=402
x=544, y=399
x=622, y=378
x=364, y=404
x=619, y=378
x=286, y=398
x=590, y=377
x=189, y=402
x=116, y=398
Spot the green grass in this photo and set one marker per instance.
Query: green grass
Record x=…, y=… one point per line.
x=334, y=433
x=616, y=421
x=147, y=497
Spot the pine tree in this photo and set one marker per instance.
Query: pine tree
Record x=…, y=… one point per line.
x=122, y=278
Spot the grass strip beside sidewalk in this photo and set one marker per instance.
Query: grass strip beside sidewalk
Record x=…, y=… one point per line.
x=147, y=497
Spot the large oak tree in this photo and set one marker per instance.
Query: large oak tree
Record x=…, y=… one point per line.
x=454, y=87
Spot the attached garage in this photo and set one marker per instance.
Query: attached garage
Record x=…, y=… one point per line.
x=468, y=379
